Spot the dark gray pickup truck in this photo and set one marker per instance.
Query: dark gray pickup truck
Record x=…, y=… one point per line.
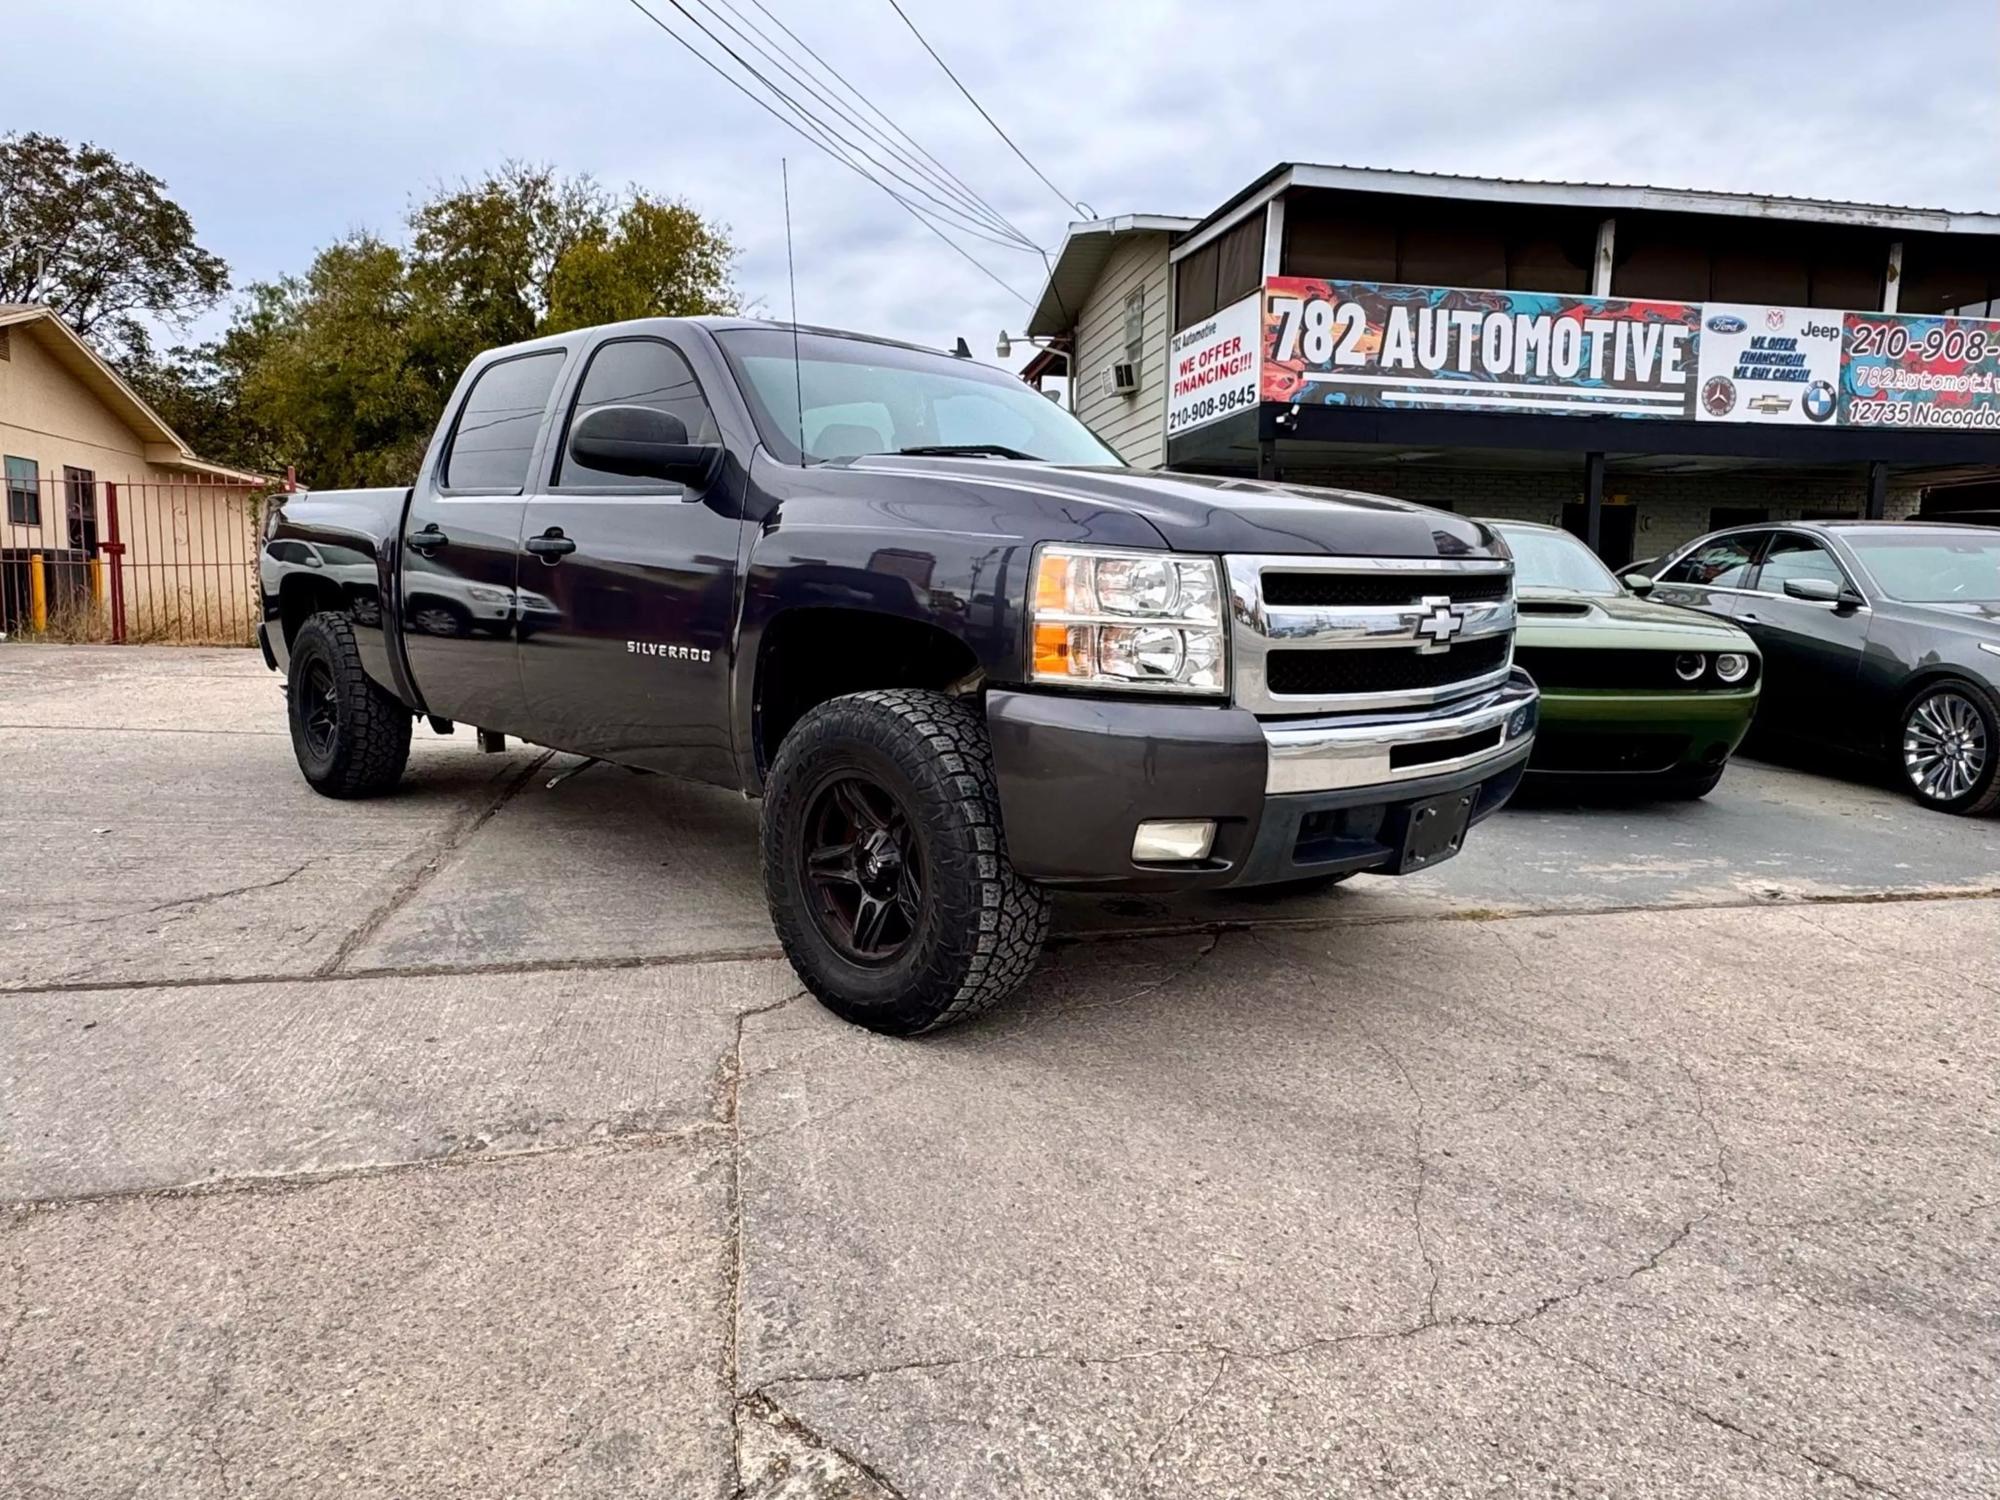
x=961, y=651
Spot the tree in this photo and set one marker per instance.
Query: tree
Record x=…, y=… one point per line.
x=344, y=372
x=98, y=240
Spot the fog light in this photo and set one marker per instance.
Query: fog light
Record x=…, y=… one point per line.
x=1517, y=724
x=1165, y=840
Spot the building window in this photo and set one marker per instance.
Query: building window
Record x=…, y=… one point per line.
x=1135, y=325
x=24, y=492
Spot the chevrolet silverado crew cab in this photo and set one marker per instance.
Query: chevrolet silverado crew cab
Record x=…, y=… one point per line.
x=961, y=651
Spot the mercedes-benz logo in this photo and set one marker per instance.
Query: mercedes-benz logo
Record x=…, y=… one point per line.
x=1440, y=623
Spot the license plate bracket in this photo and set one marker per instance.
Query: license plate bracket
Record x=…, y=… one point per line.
x=1435, y=830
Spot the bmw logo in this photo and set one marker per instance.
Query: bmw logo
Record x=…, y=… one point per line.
x=1726, y=323
x=1819, y=401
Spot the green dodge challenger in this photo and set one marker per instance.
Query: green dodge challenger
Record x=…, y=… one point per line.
x=1647, y=694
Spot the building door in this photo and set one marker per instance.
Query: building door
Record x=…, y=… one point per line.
x=80, y=501
x=1616, y=531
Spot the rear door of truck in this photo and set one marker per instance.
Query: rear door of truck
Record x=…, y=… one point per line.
x=628, y=586
x=461, y=544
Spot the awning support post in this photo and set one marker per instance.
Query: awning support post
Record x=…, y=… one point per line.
x=1267, y=459
x=1878, y=491
x=1593, y=502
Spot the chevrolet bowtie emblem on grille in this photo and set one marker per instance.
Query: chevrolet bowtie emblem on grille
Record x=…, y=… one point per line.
x=1440, y=623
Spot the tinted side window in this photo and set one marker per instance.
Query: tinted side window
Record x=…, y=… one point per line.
x=496, y=426
x=637, y=372
x=1794, y=556
x=1724, y=563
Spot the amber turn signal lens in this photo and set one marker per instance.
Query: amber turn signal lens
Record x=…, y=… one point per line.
x=1051, y=647
x=1052, y=584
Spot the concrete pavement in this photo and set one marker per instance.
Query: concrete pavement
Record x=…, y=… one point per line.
x=473, y=1142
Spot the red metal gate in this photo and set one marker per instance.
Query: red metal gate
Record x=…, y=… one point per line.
x=152, y=560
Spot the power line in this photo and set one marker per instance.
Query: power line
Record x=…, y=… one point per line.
x=819, y=140
x=1067, y=201
x=974, y=221
x=965, y=189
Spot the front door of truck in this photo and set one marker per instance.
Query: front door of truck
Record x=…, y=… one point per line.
x=627, y=586
x=462, y=541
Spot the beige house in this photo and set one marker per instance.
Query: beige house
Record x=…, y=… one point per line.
x=83, y=452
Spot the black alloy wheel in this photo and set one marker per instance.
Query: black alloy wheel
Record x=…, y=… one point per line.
x=1950, y=748
x=321, y=708
x=863, y=865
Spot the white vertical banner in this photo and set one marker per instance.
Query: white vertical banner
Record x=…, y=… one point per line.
x=1213, y=367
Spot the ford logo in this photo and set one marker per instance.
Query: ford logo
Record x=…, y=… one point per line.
x=1724, y=323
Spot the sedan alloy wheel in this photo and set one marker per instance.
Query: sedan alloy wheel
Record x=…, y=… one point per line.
x=1946, y=746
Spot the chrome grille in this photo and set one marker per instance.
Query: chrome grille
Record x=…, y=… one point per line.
x=1340, y=634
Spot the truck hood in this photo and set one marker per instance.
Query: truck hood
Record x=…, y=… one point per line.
x=1556, y=617
x=1207, y=513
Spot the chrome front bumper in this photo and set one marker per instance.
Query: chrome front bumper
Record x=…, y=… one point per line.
x=1382, y=750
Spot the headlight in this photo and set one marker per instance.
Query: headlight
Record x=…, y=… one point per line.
x=1732, y=666
x=1689, y=665
x=1149, y=620
x=489, y=596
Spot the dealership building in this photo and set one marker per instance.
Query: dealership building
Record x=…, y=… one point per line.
x=1638, y=364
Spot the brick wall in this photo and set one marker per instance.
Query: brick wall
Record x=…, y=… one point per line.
x=1673, y=508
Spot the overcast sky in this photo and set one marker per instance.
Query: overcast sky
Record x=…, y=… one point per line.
x=282, y=124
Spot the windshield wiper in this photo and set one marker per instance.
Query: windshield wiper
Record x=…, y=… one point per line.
x=967, y=450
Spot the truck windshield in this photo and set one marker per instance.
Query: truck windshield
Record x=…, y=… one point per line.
x=1557, y=560
x=862, y=397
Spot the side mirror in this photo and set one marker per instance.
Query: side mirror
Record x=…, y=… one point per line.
x=1813, y=590
x=644, y=442
x=1638, y=583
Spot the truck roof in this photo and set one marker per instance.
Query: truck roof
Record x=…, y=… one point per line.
x=714, y=325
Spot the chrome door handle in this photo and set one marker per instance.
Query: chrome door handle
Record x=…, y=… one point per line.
x=551, y=545
x=427, y=539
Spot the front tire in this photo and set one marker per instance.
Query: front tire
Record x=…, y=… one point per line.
x=352, y=738
x=886, y=867
x=1949, y=748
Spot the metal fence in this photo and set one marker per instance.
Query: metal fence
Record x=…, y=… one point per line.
x=174, y=560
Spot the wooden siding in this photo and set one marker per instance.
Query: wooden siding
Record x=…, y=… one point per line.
x=1135, y=425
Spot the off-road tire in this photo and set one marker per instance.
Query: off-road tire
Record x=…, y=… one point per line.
x=370, y=740
x=981, y=926
x=1690, y=786
x=1984, y=794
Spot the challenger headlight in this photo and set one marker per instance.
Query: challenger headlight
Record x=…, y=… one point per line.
x=1732, y=666
x=1115, y=618
x=1689, y=666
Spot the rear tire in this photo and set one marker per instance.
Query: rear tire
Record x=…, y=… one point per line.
x=1948, y=746
x=351, y=737
x=886, y=867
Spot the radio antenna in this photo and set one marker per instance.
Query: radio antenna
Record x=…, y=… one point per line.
x=792, y=276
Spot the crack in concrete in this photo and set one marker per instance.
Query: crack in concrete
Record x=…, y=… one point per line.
x=1716, y=1419
x=206, y=898
x=20, y=1319
x=764, y=1409
x=454, y=839
x=471, y=1155
x=1724, y=1178
x=763, y=951
x=1419, y=1148
x=1187, y=1413
x=729, y=1088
